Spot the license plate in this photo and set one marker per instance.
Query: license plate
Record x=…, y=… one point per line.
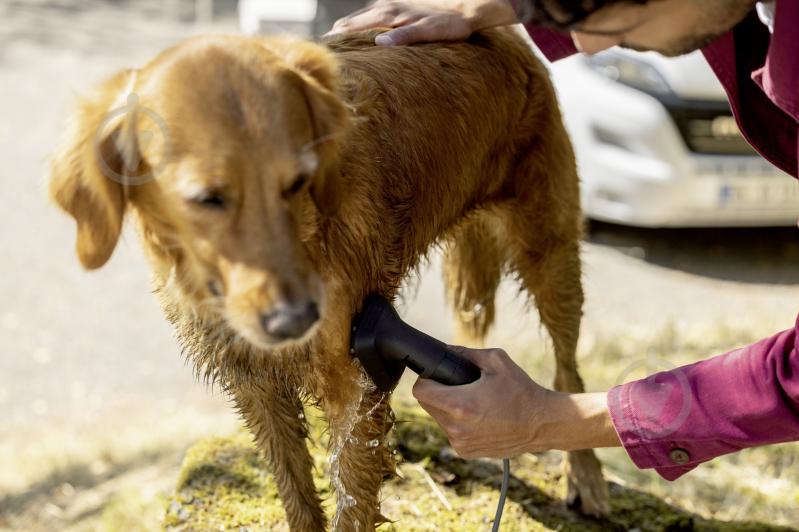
x=760, y=193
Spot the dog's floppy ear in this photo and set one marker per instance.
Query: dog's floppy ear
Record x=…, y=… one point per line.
x=318, y=71
x=85, y=180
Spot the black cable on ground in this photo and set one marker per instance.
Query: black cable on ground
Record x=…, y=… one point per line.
x=503, y=494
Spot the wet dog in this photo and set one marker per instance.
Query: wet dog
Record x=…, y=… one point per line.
x=275, y=183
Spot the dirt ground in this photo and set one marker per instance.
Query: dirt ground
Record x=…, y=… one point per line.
x=89, y=371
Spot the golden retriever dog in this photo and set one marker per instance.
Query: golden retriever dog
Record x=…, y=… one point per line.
x=276, y=182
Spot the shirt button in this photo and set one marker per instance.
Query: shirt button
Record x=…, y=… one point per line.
x=679, y=456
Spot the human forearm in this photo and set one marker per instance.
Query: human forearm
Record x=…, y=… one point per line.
x=572, y=422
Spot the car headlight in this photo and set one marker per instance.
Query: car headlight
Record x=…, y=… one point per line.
x=629, y=71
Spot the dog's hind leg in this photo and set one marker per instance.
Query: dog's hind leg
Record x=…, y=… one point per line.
x=546, y=256
x=274, y=414
x=473, y=263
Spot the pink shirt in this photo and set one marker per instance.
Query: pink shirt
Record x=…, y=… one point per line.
x=675, y=420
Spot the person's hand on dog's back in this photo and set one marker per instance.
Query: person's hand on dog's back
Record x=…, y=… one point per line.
x=427, y=20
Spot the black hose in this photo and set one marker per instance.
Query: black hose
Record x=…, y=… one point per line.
x=503, y=494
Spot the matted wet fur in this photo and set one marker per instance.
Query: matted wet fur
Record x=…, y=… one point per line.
x=298, y=178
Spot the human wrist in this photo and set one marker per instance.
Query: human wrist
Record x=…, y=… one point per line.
x=571, y=422
x=482, y=14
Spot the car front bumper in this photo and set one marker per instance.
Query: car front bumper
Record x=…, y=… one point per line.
x=637, y=168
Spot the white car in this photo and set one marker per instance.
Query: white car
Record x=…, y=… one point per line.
x=657, y=145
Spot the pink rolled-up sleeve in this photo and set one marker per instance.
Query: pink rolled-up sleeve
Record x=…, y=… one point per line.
x=675, y=420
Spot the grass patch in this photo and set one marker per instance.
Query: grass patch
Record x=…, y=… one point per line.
x=223, y=486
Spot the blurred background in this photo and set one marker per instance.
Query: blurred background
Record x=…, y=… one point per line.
x=691, y=250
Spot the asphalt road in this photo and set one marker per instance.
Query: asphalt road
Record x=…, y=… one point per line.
x=77, y=347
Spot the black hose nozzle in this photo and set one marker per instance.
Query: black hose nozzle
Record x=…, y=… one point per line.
x=385, y=345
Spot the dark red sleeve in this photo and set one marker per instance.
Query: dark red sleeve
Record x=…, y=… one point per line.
x=554, y=45
x=675, y=420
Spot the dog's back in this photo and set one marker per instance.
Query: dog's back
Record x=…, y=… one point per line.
x=445, y=131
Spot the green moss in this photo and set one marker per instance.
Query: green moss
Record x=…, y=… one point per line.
x=223, y=486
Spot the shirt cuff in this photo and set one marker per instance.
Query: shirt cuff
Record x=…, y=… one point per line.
x=664, y=457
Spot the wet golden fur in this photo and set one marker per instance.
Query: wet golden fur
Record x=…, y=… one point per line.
x=457, y=144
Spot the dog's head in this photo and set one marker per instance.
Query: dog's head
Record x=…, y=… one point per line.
x=225, y=148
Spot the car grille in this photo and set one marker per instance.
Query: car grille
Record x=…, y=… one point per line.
x=709, y=128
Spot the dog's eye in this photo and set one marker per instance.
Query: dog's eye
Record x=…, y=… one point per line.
x=297, y=185
x=210, y=200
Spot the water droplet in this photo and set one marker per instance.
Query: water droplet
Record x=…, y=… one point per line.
x=301, y=415
x=373, y=443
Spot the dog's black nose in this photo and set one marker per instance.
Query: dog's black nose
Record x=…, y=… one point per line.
x=286, y=321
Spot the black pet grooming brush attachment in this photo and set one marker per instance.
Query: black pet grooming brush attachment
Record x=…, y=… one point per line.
x=385, y=345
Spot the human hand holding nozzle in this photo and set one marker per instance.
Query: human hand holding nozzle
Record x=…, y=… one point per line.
x=427, y=20
x=505, y=413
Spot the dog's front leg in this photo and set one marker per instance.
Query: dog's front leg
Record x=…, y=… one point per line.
x=275, y=417
x=360, y=460
x=359, y=418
